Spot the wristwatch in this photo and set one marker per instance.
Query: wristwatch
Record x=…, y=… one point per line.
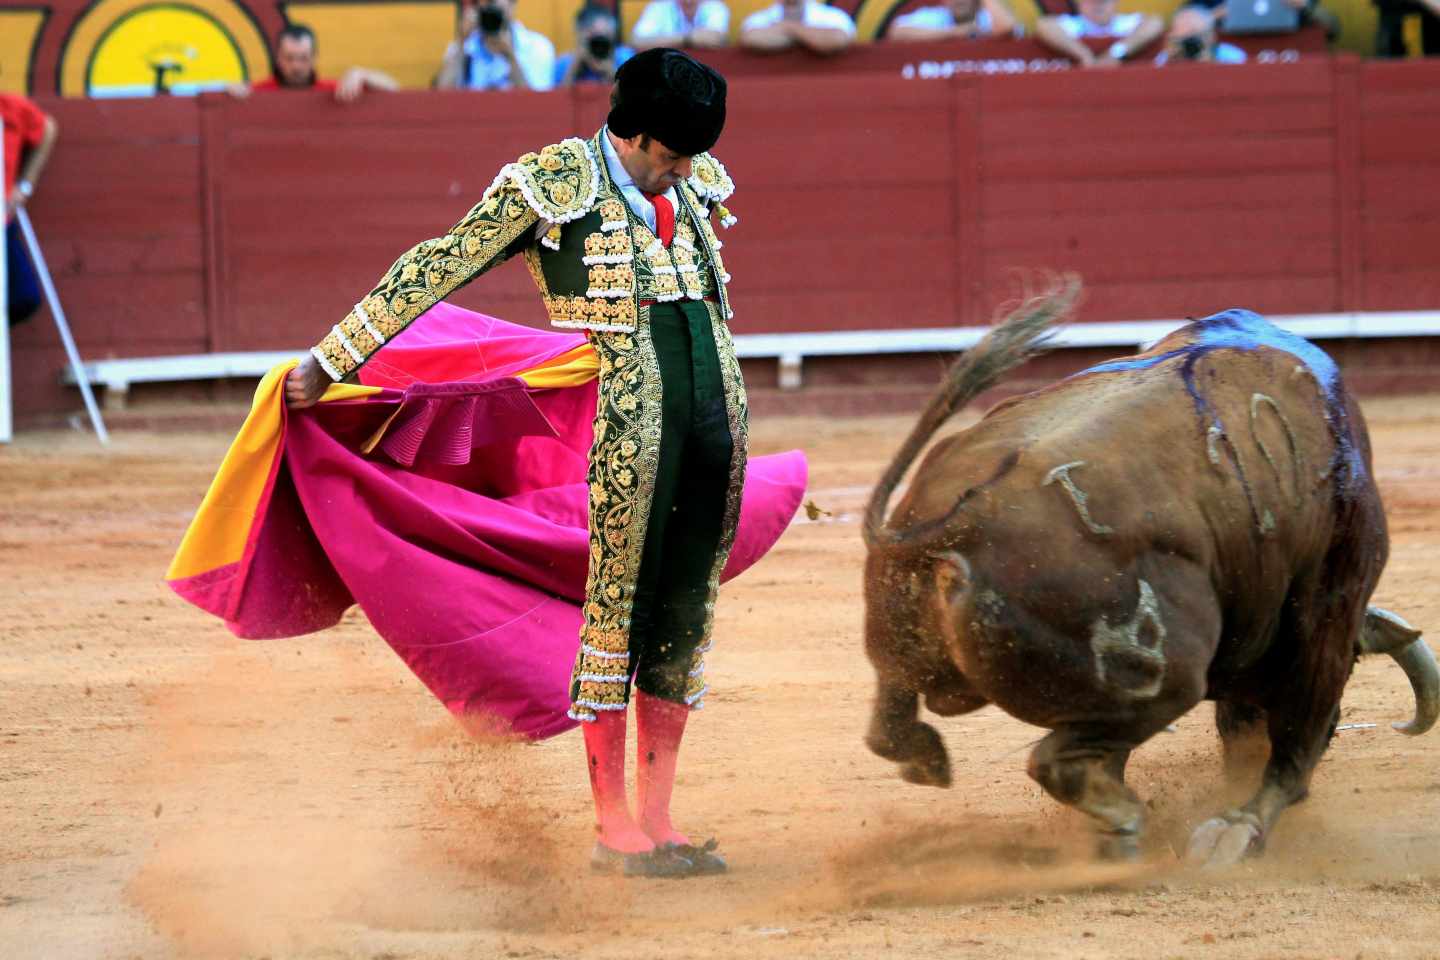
x=1117, y=50
x=25, y=188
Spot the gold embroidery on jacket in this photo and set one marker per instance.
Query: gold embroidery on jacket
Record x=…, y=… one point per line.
x=709, y=179
x=586, y=313
x=620, y=494
x=613, y=247
x=560, y=182
x=611, y=281
x=624, y=459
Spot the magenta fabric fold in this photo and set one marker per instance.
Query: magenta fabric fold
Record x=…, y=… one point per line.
x=463, y=533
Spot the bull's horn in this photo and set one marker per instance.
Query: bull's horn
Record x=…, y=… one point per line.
x=1385, y=632
x=1418, y=662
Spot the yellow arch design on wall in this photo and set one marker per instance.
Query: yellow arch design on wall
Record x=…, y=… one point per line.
x=90, y=31
x=19, y=35
x=870, y=16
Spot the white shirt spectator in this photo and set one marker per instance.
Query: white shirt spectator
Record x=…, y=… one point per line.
x=490, y=71
x=816, y=15
x=664, y=18
x=1120, y=25
x=940, y=18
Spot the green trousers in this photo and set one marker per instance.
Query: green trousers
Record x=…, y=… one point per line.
x=687, y=512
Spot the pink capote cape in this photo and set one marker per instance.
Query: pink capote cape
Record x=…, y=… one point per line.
x=447, y=497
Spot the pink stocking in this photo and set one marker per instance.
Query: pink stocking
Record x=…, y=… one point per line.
x=605, y=756
x=659, y=725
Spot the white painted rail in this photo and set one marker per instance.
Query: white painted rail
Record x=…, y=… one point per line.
x=791, y=349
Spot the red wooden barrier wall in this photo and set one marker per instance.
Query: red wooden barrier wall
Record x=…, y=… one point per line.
x=865, y=201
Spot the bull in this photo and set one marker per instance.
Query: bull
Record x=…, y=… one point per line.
x=1199, y=521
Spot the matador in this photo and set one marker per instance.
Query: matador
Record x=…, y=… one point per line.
x=617, y=233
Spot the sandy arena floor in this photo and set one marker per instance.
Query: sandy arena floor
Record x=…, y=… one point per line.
x=169, y=791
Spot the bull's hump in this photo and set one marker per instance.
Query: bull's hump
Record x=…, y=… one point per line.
x=1233, y=329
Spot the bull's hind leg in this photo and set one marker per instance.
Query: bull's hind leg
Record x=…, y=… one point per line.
x=897, y=734
x=1085, y=769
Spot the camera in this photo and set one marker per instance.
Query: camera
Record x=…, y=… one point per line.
x=1191, y=48
x=491, y=19
x=600, y=47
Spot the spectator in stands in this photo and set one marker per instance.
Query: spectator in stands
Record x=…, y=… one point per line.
x=495, y=51
x=1130, y=32
x=1390, y=30
x=1309, y=13
x=1192, y=38
x=29, y=135
x=702, y=24
x=803, y=24
x=295, y=70
x=955, y=20
x=598, y=51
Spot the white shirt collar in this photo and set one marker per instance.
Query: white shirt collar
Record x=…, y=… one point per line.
x=632, y=193
x=618, y=173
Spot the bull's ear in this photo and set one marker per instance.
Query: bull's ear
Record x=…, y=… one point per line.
x=1385, y=632
x=952, y=572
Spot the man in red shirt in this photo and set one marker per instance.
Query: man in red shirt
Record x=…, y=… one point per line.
x=29, y=135
x=295, y=70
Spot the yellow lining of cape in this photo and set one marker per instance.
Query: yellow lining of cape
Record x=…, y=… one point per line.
x=570, y=369
x=221, y=527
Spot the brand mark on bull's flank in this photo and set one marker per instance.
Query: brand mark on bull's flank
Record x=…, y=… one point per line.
x=1297, y=460
x=1061, y=474
x=1130, y=656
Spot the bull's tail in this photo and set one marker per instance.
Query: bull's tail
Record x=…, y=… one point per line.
x=1019, y=336
x=1384, y=632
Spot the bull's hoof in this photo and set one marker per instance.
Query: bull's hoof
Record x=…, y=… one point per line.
x=1118, y=847
x=1224, y=841
x=932, y=772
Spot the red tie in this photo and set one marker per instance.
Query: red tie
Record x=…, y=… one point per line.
x=664, y=217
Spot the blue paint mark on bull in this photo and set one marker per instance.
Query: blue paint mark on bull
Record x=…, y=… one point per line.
x=1237, y=329
x=1241, y=330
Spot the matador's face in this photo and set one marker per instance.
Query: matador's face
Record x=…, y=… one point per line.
x=654, y=166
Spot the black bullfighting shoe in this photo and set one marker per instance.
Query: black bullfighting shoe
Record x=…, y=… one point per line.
x=660, y=863
x=703, y=859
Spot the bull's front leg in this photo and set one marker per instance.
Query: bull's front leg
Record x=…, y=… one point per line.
x=897, y=734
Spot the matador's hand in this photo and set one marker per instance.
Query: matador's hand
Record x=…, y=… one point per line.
x=305, y=385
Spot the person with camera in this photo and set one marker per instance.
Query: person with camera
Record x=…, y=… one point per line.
x=598, y=52
x=1192, y=39
x=495, y=51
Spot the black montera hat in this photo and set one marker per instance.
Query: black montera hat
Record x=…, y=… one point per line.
x=670, y=96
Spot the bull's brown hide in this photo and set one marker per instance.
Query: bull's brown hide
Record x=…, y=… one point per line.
x=1098, y=556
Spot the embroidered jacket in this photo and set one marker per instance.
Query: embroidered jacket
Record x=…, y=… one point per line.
x=594, y=261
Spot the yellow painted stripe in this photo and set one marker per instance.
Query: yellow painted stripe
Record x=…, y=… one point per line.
x=221, y=527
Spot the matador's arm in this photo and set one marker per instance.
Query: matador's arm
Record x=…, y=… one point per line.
x=496, y=229
x=558, y=185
